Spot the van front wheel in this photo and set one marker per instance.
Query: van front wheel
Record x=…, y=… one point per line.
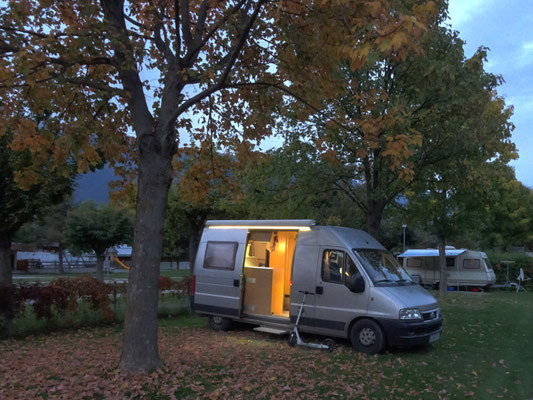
x=218, y=323
x=367, y=337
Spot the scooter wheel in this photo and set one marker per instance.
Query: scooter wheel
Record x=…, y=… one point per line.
x=292, y=340
x=330, y=343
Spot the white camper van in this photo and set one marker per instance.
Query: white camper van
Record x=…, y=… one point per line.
x=466, y=268
x=257, y=271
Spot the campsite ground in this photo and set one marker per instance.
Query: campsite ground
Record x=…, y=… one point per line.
x=485, y=352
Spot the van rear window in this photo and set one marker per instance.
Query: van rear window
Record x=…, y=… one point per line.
x=220, y=255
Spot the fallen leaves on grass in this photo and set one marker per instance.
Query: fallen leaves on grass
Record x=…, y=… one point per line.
x=198, y=363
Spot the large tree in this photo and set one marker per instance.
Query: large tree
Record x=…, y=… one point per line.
x=91, y=64
x=385, y=129
x=26, y=193
x=92, y=228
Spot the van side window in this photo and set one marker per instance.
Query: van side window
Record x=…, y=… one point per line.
x=351, y=272
x=332, y=266
x=220, y=255
x=471, y=263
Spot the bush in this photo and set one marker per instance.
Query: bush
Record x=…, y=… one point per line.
x=519, y=260
x=66, y=303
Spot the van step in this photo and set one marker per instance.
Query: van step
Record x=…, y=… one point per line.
x=274, y=331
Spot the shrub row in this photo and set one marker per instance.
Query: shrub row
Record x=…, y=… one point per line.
x=518, y=260
x=64, y=296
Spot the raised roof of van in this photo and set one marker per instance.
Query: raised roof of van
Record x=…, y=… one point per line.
x=263, y=222
x=339, y=236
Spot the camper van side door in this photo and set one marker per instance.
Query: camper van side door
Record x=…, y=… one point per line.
x=337, y=305
x=218, y=271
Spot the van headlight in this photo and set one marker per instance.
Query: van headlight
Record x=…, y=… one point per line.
x=410, y=313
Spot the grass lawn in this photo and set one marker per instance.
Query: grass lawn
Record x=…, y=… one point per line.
x=486, y=352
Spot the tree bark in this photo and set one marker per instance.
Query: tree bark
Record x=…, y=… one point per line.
x=374, y=216
x=100, y=257
x=60, y=268
x=443, y=283
x=140, y=351
x=195, y=234
x=6, y=275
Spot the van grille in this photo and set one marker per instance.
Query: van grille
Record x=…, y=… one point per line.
x=430, y=315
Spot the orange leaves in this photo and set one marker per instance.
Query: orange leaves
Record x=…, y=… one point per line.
x=330, y=156
x=398, y=150
x=361, y=153
x=26, y=179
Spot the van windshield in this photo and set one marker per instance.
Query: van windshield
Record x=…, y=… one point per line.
x=382, y=267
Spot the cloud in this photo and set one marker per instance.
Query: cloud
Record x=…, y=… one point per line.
x=526, y=54
x=462, y=11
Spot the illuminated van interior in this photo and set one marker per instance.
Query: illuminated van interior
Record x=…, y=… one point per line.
x=267, y=272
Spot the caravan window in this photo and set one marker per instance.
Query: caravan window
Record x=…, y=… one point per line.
x=220, y=255
x=414, y=262
x=471, y=263
x=450, y=261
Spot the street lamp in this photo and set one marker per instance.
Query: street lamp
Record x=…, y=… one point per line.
x=403, y=228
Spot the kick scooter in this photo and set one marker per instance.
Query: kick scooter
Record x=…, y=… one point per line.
x=295, y=339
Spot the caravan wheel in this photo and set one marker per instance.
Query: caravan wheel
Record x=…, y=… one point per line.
x=218, y=323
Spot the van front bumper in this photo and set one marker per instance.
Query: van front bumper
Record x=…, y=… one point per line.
x=416, y=333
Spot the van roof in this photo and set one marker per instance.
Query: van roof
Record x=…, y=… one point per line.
x=339, y=236
x=285, y=223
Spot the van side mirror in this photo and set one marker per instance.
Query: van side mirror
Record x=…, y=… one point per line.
x=357, y=285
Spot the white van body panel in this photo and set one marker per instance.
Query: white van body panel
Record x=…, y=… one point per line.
x=220, y=290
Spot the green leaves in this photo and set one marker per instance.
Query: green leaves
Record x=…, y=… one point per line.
x=92, y=228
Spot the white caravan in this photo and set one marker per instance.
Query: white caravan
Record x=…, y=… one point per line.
x=466, y=268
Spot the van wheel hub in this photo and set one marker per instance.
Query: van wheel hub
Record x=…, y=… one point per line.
x=367, y=336
x=217, y=319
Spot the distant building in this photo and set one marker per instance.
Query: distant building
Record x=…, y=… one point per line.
x=25, y=257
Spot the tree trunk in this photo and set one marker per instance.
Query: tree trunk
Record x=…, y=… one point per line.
x=60, y=268
x=6, y=275
x=443, y=284
x=373, y=217
x=140, y=351
x=100, y=257
x=195, y=234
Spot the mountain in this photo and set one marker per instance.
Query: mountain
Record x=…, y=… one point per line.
x=93, y=186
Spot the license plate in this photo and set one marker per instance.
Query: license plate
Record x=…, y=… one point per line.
x=434, y=337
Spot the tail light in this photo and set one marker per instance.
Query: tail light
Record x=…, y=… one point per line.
x=193, y=285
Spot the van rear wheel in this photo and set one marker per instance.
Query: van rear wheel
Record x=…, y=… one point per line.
x=367, y=337
x=218, y=323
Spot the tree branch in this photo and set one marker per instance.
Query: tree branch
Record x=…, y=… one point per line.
x=229, y=64
x=192, y=53
x=185, y=23
x=96, y=85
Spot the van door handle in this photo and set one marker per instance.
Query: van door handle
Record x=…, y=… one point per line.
x=319, y=290
x=236, y=283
